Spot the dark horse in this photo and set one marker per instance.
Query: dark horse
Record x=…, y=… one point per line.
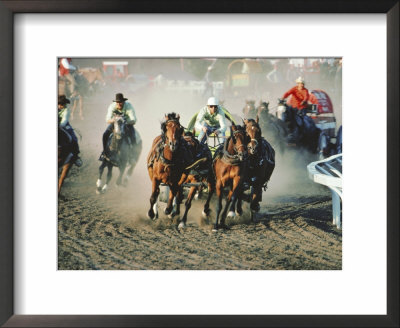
x=261, y=162
x=166, y=161
x=196, y=176
x=65, y=155
x=229, y=169
x=122, y=154
x=274, y=129
x=304, y=134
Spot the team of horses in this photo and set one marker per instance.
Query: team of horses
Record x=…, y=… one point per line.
x=178, y=160
x=243, y=163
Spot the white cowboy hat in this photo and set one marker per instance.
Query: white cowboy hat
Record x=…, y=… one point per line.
x=300, y=80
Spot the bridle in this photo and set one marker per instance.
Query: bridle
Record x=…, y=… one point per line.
x=237, y=149
x=169, y=143
x=252, y=149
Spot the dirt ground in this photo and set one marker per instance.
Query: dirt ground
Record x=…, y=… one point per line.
x=111, y=231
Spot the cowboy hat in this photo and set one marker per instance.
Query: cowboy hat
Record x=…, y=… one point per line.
x=119, y=97
x=300, y=80
x=62, y=100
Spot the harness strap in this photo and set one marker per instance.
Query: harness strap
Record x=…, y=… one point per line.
x=229, y=158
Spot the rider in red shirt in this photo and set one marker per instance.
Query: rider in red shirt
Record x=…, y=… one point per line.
x=296, y=104
x=299, y=95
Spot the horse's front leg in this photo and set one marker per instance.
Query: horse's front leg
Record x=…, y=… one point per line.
x=122, y=168
x=211, y=190
x=172, y=194
x=179, y=196
x=239, y=210
x=176, y=205
x=236, y=187
x=188, y=204
x=226, y=207
x=218, y=207
x=109, y=176
x=99, y=182
x=256, y=196
x=155, y=190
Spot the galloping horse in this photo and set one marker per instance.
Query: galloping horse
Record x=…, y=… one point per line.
x=166, y=161
x=274, y=129
x=196, y=176
x=65, y=155
x=261, y=162
x=230, y=168
x=122, y=155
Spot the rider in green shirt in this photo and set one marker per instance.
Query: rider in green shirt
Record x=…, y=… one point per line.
x=211, y=118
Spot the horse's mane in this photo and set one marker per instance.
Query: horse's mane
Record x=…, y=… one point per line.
x=169, y=117
x=241, y=127
x=172, y=117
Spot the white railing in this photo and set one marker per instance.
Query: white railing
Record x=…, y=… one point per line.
x=329, y=173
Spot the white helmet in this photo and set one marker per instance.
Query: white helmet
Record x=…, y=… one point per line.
x=300, y=80
x=212, y=101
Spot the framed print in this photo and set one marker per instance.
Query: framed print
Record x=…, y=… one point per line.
x=96, y=265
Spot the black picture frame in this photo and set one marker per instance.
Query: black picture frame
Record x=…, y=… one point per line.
x=10, y=7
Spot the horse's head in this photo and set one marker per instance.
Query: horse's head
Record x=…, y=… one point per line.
x=249, y=107
x=263, y=107
x=119, y=126
x=239, y=141
x=253, y=132
x=172, y=131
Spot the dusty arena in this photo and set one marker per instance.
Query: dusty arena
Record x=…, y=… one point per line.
x=110, y=231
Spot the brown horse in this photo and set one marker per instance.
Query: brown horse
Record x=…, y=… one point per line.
x=261, y=162
x=65, y=156
x=166, y=161
x=229, y=169
x=196, y=176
